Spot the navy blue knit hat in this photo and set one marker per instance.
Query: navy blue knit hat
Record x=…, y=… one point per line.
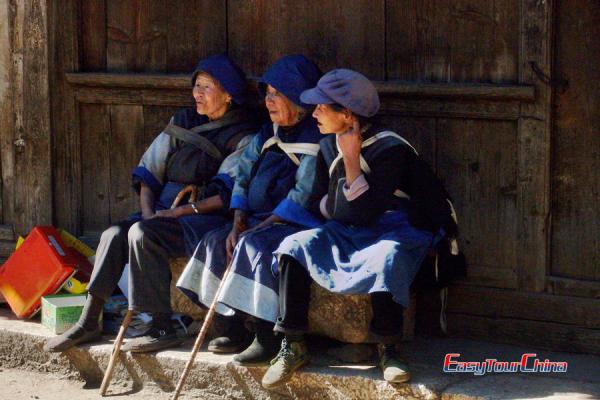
x=291, y=75
x=227, y=73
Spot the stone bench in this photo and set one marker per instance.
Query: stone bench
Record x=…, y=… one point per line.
x=342, y=317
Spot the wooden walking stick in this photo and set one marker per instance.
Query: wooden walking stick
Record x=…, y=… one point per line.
x=200, y=339
x=192, y=190
x=115, y=353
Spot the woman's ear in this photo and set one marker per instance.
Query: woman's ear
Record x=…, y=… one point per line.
x=348, y=116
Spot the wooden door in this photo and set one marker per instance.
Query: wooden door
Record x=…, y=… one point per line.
x=575, y=242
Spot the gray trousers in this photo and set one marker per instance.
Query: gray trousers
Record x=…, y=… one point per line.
x=147, y=246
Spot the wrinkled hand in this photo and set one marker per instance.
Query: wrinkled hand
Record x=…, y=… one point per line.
x=239, y=226
x=350, y=141
x=172, y=213
x=231, y=242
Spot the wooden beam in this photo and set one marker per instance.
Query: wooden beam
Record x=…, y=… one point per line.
x=134, y=97
x=479, y=91
x=142, y=81
x=545, y=335
x=388, y=88
x=450, y=108
x=503, y=303
x=533, y=191
x=573, y=287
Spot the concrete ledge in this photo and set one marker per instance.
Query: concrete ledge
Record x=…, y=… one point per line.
x=215, y=377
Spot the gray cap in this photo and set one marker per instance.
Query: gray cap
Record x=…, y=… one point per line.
x=347, y=88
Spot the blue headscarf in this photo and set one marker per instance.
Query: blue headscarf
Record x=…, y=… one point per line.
x=291, y=75
x=229, y=75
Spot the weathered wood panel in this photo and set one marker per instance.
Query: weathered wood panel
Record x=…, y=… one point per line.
x=545, y=335
x=573, y=287
x=66, y=162
x=126, y=148
x=155, y=120
x=26, y=144
x=420, y=132
x=576, y=143
x=533, y=189
x=504, y=303
x=121, y=35
x=6, y=114
x=136, y=35
x=93, y=35
x=477, y=161
x=195, y=29
x=331, y=33
x=459, y=41
x=96, y=182
x=151, y=35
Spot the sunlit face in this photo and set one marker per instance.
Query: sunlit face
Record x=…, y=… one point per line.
x=211, y=99
x=331, y=121
x=282, y=110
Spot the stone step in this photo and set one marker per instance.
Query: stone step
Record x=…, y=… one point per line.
x=215, y=377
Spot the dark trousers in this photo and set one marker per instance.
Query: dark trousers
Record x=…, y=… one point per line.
x=294, y=300
x=147, y=246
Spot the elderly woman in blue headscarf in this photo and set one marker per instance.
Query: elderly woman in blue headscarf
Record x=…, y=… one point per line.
x=273, y=182
x=190, y=151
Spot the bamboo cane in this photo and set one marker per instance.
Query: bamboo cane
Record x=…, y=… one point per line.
x=115, y=353
x=200, y=339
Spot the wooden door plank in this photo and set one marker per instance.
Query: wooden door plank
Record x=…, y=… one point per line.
x=533, y=183
x=7, y=123
x=477, y=161
x=156, y=119
x=126, y=138
x=195, y=29
x=575, y=245
x=152, y=36
x=93, y=35
x=259, y=32
x=66, y=160
x=458, y=41
x=420, y=132
x=546, y=335
x=33, y=177
x=520, y=305
x=96, y=185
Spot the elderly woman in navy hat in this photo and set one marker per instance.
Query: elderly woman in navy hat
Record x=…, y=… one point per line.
x=377, y=232
x=273, y=182
x=190, y=150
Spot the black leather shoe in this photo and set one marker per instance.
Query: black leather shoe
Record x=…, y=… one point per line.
x=72, y=337
x=154, y=340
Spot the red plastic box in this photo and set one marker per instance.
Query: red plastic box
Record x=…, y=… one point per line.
x=40, y=266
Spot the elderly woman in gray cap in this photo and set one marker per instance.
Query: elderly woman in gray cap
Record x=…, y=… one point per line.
x=381, y=223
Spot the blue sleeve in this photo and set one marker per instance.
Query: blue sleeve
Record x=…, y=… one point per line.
x=152, y=166
x=243, y=171
x=294, y=207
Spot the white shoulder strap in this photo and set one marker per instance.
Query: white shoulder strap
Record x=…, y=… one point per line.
x=364, y=166
x=291, y=149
